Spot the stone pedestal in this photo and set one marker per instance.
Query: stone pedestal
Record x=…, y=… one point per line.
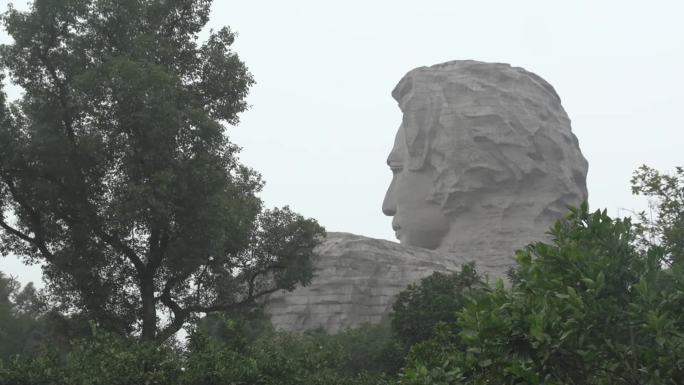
x=355, y=282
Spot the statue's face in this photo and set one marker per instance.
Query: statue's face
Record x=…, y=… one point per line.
x=483, y=149
x=417, y=220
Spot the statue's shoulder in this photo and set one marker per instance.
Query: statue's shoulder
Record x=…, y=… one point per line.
x=356, y=280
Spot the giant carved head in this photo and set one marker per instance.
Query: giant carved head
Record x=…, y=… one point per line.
x=484, y=149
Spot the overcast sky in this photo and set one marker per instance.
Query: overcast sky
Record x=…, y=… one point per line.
x=322, y=119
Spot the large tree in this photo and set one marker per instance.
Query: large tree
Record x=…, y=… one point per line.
x=116, y=172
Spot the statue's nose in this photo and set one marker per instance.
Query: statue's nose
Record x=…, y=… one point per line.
x=389, y=205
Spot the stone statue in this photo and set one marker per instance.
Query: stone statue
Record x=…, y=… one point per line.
x=484, y=162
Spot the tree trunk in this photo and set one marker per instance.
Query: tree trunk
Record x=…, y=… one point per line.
x=149, y=316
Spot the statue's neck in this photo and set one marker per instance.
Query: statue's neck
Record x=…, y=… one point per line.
x=491, y=241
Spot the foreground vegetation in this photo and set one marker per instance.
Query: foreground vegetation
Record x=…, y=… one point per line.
x=599, y=304
x=359, y=357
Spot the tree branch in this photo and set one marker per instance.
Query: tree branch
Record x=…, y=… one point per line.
x=119, y=246
x=257, y=273
x=230, y=306
x=16, y=232
x=180, y=315
x=159, y=240
x=37, y=243
x=36, y=224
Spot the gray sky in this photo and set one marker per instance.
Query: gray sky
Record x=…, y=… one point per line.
x=322, y=119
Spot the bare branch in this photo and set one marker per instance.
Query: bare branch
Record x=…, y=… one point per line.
x=180, y=315
x=230, y=306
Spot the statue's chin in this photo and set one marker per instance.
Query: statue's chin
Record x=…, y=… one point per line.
x=425, y=243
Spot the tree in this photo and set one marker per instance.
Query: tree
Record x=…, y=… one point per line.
x=667, y=198
x=588, y=308
x=21, y=310
x=435, y=299
x=115, y=170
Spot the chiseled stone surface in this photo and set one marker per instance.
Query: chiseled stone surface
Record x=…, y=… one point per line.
x=484, y=162
x=355, y=282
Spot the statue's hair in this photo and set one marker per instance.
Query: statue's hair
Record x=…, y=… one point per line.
x=507, y=122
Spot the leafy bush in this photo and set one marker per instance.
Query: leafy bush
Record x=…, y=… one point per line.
x=435, y=299
x=365, y=355
x=43, y=369
x=588, y=308
x=103, y=359
x=371, y=349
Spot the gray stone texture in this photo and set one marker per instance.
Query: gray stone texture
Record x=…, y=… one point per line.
x=355, y=282
x=483, y=163
x=484, y=159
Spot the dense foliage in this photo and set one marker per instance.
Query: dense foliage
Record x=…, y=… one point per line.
x=272, y=359
x=434, y=300
x=588, y=308
x=117, y=175
x=663, y=226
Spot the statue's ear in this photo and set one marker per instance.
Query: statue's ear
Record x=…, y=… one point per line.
x=421, y=117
